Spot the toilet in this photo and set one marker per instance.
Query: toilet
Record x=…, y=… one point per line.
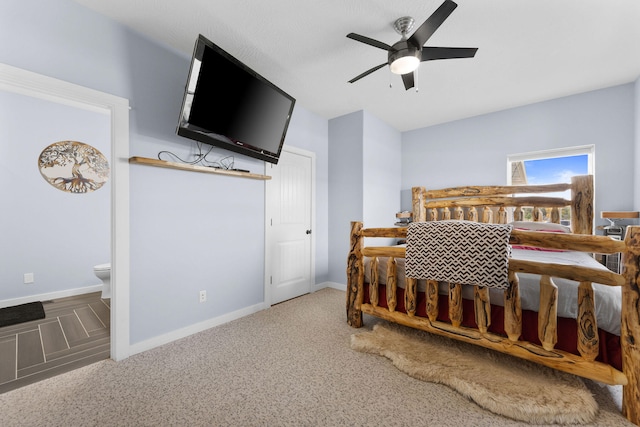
x=103, y=272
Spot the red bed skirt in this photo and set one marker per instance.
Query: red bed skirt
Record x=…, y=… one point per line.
x=609, y=349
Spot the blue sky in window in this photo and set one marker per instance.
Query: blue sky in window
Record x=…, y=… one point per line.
x=555, y=170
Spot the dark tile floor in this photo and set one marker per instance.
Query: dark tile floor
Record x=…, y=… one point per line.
x=74, y=333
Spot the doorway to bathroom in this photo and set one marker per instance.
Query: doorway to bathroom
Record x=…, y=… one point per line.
x=68, y=233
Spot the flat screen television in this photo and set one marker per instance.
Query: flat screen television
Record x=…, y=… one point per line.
x=228, y=105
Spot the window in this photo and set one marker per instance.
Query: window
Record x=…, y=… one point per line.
x=550, y=167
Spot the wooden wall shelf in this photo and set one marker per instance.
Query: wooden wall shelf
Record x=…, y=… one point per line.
x=194, y=168
x=619, y=214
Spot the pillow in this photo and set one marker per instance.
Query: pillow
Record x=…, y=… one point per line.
x=545, y=227
x=540, y=226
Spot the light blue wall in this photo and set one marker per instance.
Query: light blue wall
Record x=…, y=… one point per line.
x=474, y=151
x=345, y=187
x=364, y=184
x=382, y=173
x=59, y=38
x=189, y=231
x=55, y=235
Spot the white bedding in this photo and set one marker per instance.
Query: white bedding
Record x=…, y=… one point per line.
x=607, y=298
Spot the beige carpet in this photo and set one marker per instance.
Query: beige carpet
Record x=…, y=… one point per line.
x=504, y=385
x=290, y=365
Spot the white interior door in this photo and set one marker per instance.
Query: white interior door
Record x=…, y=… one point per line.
x=289, y=222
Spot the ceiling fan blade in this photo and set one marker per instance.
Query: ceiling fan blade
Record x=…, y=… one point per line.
x=369, y=41
x=433, y=53
x=408, y=80
x=428, y=27
x=366, y=73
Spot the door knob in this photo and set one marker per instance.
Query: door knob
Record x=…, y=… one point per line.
x=308, y=232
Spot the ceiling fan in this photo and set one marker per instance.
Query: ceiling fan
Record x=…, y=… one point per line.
x=404, y=57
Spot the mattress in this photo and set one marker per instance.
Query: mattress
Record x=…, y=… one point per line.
x=608, y=300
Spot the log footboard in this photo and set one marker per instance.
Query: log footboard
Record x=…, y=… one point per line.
x=355, y=277
x=630, y=326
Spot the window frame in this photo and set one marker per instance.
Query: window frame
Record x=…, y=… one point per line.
x=589, y=150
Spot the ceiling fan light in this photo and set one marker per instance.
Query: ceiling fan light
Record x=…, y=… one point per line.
x=405, y=64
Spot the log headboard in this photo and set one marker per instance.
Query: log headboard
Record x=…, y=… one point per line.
x=495, y=204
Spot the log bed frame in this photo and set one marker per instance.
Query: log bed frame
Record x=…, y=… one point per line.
x=493, y=202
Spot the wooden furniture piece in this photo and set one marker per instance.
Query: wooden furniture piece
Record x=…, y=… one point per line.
x=492, y=204
x=194, y=168
x=619, y=214
x=615, y=231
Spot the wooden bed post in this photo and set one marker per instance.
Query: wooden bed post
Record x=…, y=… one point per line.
x=418, y=197
x=355, y=276
x=630, y=326
x=582, y=204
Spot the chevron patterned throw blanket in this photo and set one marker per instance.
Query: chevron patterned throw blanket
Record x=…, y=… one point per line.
x=464, y=252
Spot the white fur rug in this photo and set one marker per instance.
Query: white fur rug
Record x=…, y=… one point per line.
x=502, y=384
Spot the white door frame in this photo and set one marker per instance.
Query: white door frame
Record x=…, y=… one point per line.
x=24, y=82
x=267, y=226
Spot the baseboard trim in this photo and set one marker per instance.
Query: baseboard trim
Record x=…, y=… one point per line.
x=193, y=329
x=167, y=338
x=315, y=287
x=50, y=296
x=335, y=285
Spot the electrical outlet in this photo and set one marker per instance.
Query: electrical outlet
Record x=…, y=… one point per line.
x=203, y=296
x=28, y=278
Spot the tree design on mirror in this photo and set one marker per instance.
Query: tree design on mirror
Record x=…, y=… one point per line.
x=73, y=167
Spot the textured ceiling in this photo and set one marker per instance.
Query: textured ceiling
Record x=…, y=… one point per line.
x=528, y=50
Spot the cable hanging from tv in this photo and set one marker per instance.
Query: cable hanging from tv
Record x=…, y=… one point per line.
x=226, y=162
